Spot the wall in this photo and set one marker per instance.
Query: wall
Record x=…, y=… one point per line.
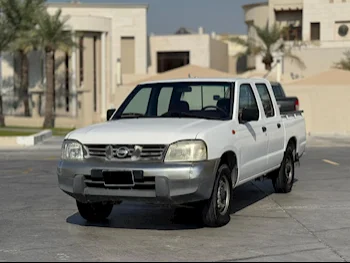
x=255, y=14
x=197, y=45
x=219, y=56
x=325, y=107
x=235, y=64
x=327, y=14
x=316, y=60
x=258, y=13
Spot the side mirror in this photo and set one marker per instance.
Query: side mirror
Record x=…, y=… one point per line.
x=248, y=115
x=110, y=113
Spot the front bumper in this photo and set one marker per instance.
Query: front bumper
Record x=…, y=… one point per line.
x=163, y=183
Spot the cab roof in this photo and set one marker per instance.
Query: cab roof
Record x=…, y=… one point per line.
x=193, y=79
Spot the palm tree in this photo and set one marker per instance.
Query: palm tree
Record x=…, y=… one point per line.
x=344, y=63
x=22, y=15
x=6, y=36
x=269, y=41
x=52, y=36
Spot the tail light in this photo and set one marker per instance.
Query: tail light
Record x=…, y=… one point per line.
x=296, y=105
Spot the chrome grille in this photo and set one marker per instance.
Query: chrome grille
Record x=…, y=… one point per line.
x=134, y=152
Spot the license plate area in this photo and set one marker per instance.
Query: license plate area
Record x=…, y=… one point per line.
x=118, y=178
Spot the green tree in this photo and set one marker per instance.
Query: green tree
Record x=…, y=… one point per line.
x=6, y=36
x=269, y=41
x=52, y=35
x=23, y=15
x=344, y=63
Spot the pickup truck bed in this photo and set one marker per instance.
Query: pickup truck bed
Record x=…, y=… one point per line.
x=294, y=123
x=286, y=104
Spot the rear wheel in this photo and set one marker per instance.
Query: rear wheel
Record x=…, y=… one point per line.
x=216, y=211
x=283, y=179
x=94, y=212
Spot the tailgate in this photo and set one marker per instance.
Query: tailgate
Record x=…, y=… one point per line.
x=294, y=125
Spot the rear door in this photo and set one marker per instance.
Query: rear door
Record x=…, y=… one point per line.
x=253, y=140
x=273, y=123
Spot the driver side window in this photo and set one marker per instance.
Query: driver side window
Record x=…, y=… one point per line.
x=139, y=103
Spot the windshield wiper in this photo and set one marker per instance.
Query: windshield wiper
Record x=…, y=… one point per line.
x=131, y=115
x=185, y=114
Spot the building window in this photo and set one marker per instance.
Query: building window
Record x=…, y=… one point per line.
x=315, y=31
x=293, y=33
x=81, y=60
x=67, y=81
x=95, y=72
x=128, y=55
x=343, y=30
x=171, y=60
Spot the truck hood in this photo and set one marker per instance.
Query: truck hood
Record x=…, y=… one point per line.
x=143, y=131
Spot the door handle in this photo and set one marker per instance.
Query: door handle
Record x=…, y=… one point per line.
x=264, y=129
x=278, y=125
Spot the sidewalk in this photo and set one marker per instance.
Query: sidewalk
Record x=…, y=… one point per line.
x=52, y=144
x=328, y=141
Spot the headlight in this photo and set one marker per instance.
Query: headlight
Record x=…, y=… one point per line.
x=186, y=151
x=72, y=150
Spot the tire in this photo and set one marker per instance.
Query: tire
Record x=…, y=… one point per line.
x=283, y=179
x=212, y=214
x=94, y=212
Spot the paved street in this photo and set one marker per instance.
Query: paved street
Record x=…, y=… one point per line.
x=39, y=222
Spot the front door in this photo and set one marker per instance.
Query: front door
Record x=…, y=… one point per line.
x=253, y=139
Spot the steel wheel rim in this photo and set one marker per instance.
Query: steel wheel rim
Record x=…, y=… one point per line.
x=288, y=170
x=223, y=196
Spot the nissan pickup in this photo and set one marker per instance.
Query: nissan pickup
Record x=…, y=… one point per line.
x=183, y=142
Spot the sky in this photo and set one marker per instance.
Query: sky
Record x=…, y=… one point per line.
x=166, y=16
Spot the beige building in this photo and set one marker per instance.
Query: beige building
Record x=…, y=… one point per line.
x=236, y=63
x=318, y=31
x=187, y=47
x=113, y=44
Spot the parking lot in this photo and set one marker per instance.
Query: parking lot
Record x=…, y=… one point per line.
x=38, y=222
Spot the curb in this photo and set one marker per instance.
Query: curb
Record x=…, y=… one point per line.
x=33, y=139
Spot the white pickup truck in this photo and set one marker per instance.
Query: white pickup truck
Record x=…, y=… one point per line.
x=183, y=142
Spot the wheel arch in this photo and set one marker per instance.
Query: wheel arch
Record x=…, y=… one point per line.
x=229, y=157
x=293, y=142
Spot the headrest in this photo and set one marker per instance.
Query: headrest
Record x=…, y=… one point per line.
x=180, y=106
x=224, y=104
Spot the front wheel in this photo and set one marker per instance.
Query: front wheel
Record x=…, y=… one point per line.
x=284, y=178
x=94, y=212
x=216, y=211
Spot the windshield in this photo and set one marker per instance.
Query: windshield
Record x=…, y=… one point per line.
x=208, y=100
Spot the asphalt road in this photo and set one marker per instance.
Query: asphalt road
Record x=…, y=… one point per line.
x=38, y=222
